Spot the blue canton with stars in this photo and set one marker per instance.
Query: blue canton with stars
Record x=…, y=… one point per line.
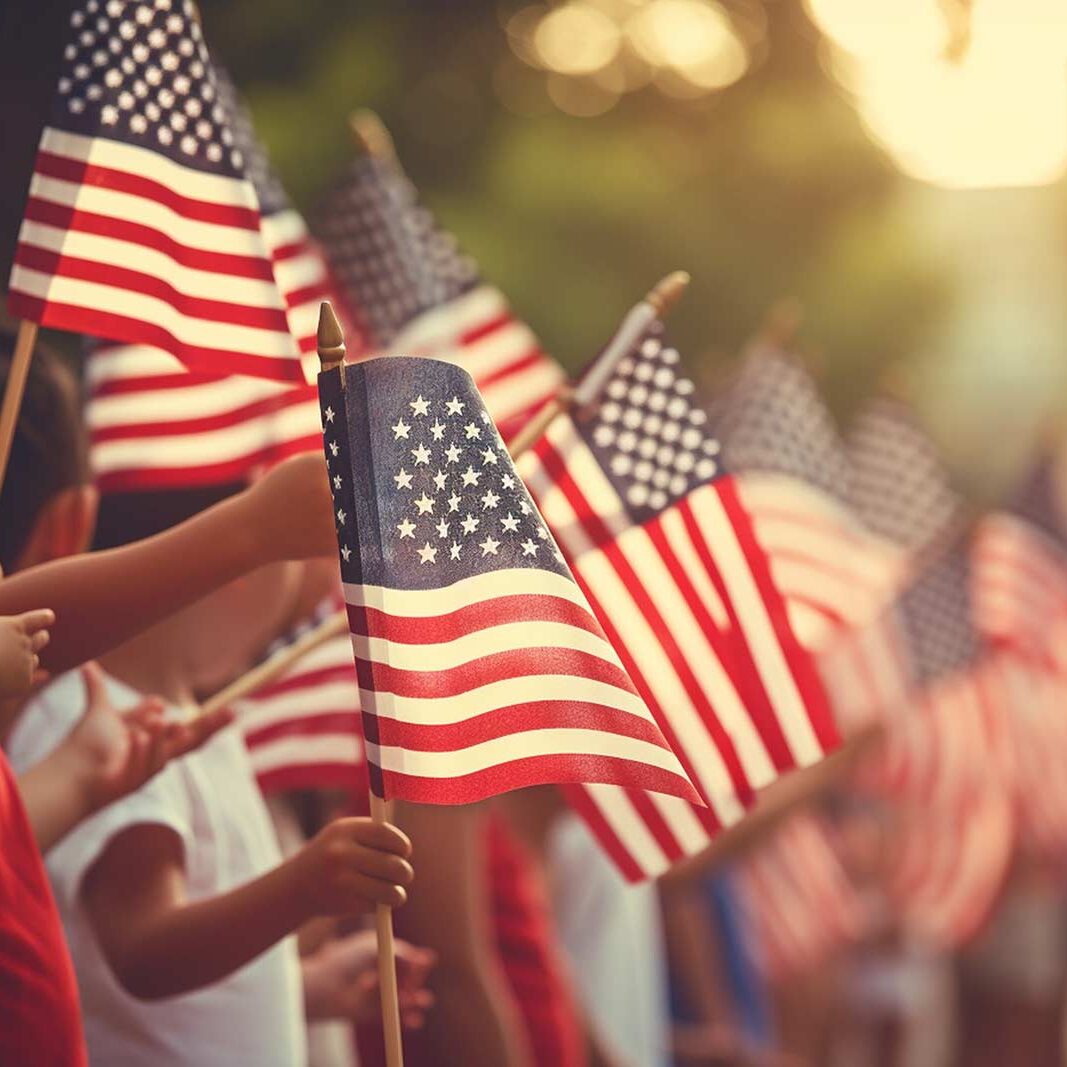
x=139, y=72
x=424, y=491
x=652, y=440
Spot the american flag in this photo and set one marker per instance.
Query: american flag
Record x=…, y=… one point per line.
x=658, y=537
x=414, y=291
x=303, y=730
x=153, y=424
x=838, y=577
x=141, y=224
x=1020, y=570
x=481, y=668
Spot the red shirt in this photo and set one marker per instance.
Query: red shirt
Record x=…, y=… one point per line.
x=40, y=1024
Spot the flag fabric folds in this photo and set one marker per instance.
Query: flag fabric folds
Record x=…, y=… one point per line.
x=481, y=667
x=413, y=291
x=658, y=536
x=141, y=225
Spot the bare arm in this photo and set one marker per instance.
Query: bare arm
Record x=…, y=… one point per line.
x=160, y=945
x=475, y=1023
x=102, y=599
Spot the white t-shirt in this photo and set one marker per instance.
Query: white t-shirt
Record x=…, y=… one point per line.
x=612, y=935
x=210, y=799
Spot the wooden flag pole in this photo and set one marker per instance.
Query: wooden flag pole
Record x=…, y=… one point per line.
x=656, y=304
x=331, y=346
x=370, y=134
x=16, y=386
x=264, y=673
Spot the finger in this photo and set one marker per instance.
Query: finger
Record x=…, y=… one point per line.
x=39, y=639
x=364, y=889
x=202, y=729
x=40, y=676
x=156, y=756
x=383, y=836
x=383, y=865
x=32, y=621
x=95, y=691
x=150, y=710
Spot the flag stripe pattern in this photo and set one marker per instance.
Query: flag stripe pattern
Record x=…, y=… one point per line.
x=480, y=666
x=414, y=292
x=139, y=149
x=663, y=547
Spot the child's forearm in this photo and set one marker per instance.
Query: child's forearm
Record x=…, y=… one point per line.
x=56, y=797
x=192, y=946
x=104, y=598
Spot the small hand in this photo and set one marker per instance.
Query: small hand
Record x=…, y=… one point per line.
x=341, y=980
x=350, y=865
x=115, y=753
x=21, y=639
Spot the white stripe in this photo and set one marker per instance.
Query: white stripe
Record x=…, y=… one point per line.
x=307, y=750
x=283, y=228
x=295, y=705
x=777, y=678
x=112, y=251
x=196, y=184
x=109, y=362
x=447, y=710
x=112, y=204
x=197, y=332
x=496, y=752
x=470, y=647
x=630, y=830
x=678, y=538
x=520, y=581
x=519, y=392
x=440, y=325
x=184, y=450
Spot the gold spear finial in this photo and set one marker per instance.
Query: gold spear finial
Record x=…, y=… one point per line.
x=667, y=292
x=370, y=134
x=330, y=338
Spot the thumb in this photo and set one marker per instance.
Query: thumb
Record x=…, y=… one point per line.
x=95, y=691
x=32, y=621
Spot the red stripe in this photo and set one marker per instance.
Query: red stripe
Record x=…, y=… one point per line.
x=311, y=680
x=800, y=663
x=482, y=615
x=485, y=328
x=564, y=480
x=497, y=667
x=307, y=726
x=563, y=769
x=135, y=331
x=234, y=264
x=297, y=776
x=515, y=366
x=155, y=383
x=133, y=281
x=188, y=427
x=511, y=720
x=239, y=216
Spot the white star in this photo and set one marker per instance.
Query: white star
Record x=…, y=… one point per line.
x=490, y=500
x=529, y=548
x=406, y=528
x=421, y=455
x=442, y=529
x=337, y=481
x=424, y=504
x=455, y=406
x=470, y=476
x=427, y=554
x=341, y=516
x=453, y=453
x=507, y=482
x=489, y=456
x=469, y=524
x=401, y=429
x=472, y=431
x=509, y=523
x=345, y=552
x=439, y=479
x=524, y=507
x=438, y=430
x=419, y=406
x=334, y=448
x=454, y=502
x=329, y=414
x=488, y=547
x=485, y=417
x=542, y=533
x=403, y=479
x=453, y=550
